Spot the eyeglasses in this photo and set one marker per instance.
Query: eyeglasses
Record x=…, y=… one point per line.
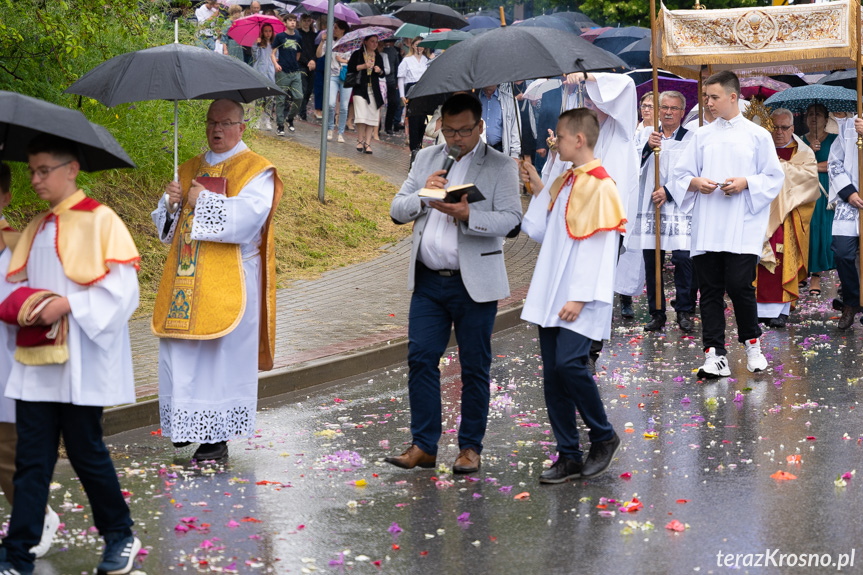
x=782, y=128
x=43, y=172
x=670, y=108
x=464, y=132
x=647, y=106
x=225, y=125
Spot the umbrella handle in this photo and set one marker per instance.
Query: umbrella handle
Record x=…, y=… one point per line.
x=168, y=205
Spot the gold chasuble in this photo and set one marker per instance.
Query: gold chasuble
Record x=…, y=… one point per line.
x=594, y=202
x=89, y=237
x=202, y=294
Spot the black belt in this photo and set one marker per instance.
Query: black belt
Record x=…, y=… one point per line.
x=443, y=273
x=498, y=146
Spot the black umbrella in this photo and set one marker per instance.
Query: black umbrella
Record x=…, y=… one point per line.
x=431, y=15
x=617, y=39
x=637, y=54
x=397, y=5
x=510, y=54
x=364, y=8
x=844, y=78
x=552, y=22
x=173, y=72
x=580, y=19
x=22, y=118
x=643, y=75
x=792, y=80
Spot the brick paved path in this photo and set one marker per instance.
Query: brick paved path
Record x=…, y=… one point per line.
x=348, y=308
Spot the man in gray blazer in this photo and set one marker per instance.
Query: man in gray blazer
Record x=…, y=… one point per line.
x=457, y=274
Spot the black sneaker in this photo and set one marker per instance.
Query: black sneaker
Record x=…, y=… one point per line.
x=291, y=126
x=211, y=451
x=600, y=456
x=561, y=471
x=280, y=131
x=119, y=556
x=778, y=322
x=656, y=323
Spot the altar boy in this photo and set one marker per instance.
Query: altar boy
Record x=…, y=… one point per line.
x=727, y=177
x=578, y=218
x=81, y=260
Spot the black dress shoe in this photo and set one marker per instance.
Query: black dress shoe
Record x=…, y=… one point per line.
x=591, y=365
x=626, y=310
x=684, y=321
x=600, y=456
x=656, y=323
x=838, y=305
x=778, y=322
x=561, y=470
x=179, y=444
x=211, y=451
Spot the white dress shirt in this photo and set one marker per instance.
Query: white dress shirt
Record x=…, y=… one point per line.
x=439, y=244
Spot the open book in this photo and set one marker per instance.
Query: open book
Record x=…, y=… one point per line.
x=451, y=195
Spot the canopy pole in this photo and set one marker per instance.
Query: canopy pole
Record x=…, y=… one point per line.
x=502, y=18
x=859, y=144
x=657, y=262
x=325, y=113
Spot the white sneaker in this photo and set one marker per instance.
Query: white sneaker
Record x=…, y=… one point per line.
x=714, y=365
x=329, y=135
x=49, y=529
x=341, y=139
x=755, y=360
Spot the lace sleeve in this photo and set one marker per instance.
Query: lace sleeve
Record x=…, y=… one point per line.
x=211, y=217
x=165, y=223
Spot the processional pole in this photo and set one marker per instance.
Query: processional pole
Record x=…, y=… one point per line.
x=859, y=144
x=654, y=56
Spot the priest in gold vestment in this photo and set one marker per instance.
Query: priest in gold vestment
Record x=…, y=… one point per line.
x=215, y=309
x=786, y=242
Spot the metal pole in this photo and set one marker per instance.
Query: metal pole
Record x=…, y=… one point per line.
x=328, y=56
x=657, y=262
x=859, y=143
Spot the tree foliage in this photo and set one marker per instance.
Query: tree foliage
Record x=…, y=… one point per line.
x=637, y=12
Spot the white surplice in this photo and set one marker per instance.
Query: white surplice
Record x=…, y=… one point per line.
x=675, y=226
x=842, y=167
x=727, y=149
x=614, y=94
x=7, y=343
x=99, y=369
x=208, y=389
x=569, y=270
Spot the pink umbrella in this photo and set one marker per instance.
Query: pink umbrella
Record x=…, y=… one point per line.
x=760, y=87
x=246, y=31
x=593, y=33
x=341, y=12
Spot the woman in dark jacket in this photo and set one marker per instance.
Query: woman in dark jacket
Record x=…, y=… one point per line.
x=367, y=94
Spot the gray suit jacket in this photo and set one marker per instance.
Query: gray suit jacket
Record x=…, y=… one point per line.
x=480, y=240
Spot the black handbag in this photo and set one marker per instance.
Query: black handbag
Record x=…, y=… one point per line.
x=352, y=80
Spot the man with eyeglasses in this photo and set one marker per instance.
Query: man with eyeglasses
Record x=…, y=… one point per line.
x=675, y=226
x=457, y=275
x=785, y=255
x=215, y=309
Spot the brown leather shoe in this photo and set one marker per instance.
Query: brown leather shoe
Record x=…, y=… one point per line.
x=468, y=461
x=413, y=457
x=847, y=318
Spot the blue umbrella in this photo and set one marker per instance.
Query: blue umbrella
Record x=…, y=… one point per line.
x=637, y=54
x=481, y=22
x=617, y=39
x=835, y=98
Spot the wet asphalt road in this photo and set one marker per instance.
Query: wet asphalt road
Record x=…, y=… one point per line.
x=704, y=454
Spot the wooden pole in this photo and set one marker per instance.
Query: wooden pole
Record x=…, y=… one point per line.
x=859, y=145
x=502, y=17
x=657, y=262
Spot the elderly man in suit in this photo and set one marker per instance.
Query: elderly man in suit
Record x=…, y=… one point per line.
x=457, y=274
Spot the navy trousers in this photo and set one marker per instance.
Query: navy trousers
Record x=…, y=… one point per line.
x=437, y=304
x=683, y=272
x=569, y=386
x=39, y=426
x=846, y=249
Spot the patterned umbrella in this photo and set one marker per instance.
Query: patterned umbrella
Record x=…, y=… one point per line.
x=835, y=98
x=353, y=40
x=246, y=31
x=761, y=87
x=341, y=12
x=594, y=33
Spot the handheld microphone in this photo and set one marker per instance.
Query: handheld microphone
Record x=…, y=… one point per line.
x=451, y=157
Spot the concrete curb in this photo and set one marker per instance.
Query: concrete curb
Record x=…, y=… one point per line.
x=146, y=413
